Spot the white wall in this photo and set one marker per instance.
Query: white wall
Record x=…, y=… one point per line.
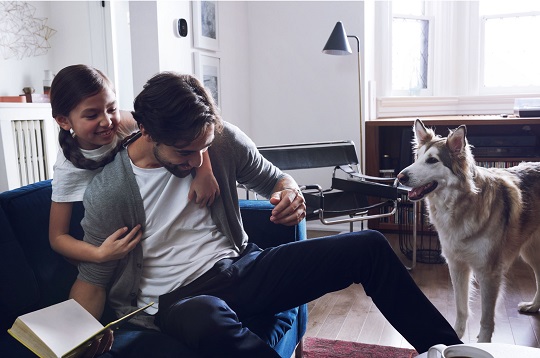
x=235, y=64
x=277, y=85
x=156, y=48
x=71, y=44
x=299, y=94
x=27, y=72
x=121, y=48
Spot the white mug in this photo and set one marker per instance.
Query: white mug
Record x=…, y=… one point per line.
x=457, y=351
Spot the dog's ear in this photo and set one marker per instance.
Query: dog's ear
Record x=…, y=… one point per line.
x=456, y=141
x=422, y=135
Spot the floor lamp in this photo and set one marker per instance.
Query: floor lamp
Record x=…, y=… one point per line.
x=338, y=44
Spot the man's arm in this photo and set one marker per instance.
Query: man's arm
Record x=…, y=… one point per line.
x=90, y=296
x=290, y=206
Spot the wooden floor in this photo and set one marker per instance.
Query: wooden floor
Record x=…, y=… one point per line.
x=351, y=316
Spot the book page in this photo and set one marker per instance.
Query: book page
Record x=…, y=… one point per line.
x=62, y=326
x=113, y=325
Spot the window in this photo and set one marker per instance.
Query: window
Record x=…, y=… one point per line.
x=456, y=57
x=513, y=34
x=410, y=49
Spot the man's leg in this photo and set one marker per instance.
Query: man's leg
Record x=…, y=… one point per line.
x=131, y=341
x=209, y=326
x=296, y=273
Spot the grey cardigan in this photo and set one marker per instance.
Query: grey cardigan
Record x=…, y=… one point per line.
x=113, y=200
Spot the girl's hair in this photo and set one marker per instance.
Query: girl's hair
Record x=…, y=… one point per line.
x=69, y=87
x=175, y=107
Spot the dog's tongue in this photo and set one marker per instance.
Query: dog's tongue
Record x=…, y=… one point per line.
x=419, y=192
x=416, y=193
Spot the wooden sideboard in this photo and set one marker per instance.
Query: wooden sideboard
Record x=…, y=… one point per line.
x=388, y=142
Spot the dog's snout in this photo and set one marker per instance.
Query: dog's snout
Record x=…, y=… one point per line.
x=403, y=177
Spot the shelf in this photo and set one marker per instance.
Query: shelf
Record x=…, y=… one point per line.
x=453, y=121
x=507, y=159
x=392, y=137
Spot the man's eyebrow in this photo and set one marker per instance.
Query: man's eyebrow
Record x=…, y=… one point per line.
x=181, y=148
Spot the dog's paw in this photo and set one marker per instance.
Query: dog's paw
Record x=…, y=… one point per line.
x=530, y=307
x=460, y=329
x=484, y=337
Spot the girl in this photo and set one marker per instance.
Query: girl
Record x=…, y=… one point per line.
x=83, y=104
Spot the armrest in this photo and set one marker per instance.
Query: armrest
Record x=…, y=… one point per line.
x=261, y=231
x=350, y=171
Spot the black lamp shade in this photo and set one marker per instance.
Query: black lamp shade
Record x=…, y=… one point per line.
x=337, y=43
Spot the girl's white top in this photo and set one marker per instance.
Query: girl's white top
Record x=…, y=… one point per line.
x=69, y=182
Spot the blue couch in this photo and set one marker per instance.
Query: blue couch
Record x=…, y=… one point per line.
x=33, y=276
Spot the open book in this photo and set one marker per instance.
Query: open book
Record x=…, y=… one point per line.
x=65, y=329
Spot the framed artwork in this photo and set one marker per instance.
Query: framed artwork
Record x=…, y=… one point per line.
x=205, y=25
x=208, y=72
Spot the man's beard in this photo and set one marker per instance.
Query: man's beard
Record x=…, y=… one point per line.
x=174, y=169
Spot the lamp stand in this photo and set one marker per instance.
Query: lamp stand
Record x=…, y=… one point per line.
x=361, y=142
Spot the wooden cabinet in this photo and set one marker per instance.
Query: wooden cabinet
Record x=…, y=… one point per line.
x=388, y=143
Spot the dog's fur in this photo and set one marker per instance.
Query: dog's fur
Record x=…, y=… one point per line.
x=484, y=217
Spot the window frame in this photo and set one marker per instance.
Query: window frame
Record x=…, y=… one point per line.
x=428, y=91
x=466, y=94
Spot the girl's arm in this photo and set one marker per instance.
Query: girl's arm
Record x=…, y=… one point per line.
x=114, y=247
x=204, y=188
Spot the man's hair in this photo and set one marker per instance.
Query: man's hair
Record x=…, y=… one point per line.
x=72, y=85
x=175, y=107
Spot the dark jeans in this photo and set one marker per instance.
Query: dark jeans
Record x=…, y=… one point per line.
x=207, y=314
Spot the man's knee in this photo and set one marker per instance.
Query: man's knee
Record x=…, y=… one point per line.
x=199, y=316
x=369, y=241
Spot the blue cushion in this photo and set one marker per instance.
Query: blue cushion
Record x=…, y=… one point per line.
x=261, y=231
x=17, y=279
x=27, y=210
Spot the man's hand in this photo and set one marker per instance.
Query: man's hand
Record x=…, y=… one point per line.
x=290, y=207
x=100, y=345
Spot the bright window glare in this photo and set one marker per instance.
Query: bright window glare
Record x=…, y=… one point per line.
x=409, y=7
x=409, y=58
x=511, y=59
x=493, y=7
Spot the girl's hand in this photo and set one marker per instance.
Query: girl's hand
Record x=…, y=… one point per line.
x=119, y=244
x=204, y=189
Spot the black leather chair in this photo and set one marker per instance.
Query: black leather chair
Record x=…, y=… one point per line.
x=351, y=197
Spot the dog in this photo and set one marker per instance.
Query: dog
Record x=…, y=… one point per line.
x=485, y=218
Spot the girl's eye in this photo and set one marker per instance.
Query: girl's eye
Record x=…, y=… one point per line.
x=91, y=116
x=112, y=110
x=432, y=160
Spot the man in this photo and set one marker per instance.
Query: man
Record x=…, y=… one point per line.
x=197, y=263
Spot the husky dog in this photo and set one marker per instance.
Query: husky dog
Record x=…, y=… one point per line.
x=484, y=217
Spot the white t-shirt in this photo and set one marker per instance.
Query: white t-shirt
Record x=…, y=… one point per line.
x=180, y=241
x=69, y=182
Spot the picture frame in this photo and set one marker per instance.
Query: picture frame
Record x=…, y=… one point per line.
x=207, y=70
x=205, y=25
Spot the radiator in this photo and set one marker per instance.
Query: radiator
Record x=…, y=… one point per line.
x=29, y=143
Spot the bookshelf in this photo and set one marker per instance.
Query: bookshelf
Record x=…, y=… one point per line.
x=388, y=143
